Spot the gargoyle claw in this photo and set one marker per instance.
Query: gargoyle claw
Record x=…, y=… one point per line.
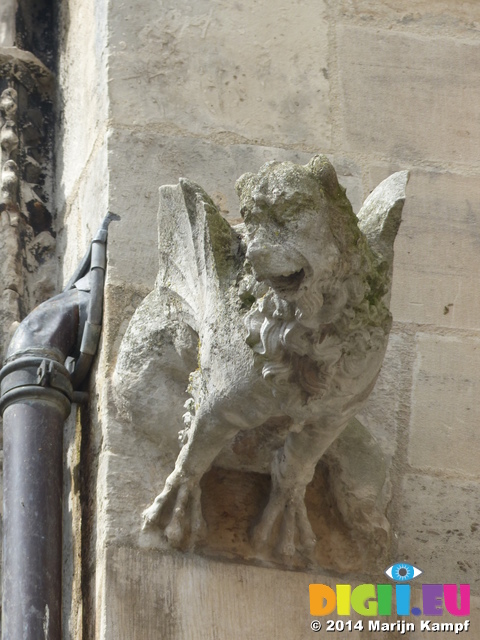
x=295, y=534
x=186, y=525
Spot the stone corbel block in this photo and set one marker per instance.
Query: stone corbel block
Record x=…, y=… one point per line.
x=257, y=348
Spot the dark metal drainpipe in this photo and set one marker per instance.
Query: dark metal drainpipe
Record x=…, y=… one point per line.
x=48, y=358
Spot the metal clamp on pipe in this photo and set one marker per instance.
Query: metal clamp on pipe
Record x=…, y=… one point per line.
x=47, y=360
x=34, y=377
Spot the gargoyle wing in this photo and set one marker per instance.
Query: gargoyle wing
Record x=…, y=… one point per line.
x=381, y=214
x=199, y=250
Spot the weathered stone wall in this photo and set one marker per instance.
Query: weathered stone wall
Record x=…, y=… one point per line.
x=153, y=91
x=82, y=124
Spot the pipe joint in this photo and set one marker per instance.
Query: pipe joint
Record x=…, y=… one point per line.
x=99, y=257
x=90, y=338
x=35, y=378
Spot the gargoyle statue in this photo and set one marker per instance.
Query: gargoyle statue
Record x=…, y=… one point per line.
x=283, y=316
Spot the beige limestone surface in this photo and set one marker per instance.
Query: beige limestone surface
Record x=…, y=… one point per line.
x=152, y=596
x=424, y=89
x=210, y=68
x=438, y=527
x=437, y=271
x=82, y=122
x=151, y=91
x=444, y=432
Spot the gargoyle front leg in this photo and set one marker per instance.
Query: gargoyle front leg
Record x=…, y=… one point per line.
x=285, y=515
x=177, y=509
x=292, y=469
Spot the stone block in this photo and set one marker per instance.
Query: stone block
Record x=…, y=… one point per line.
x=84, y=211
x=82, y=103
x=436, y=268
x=444, y=433
x=438, y=529
x=149, y=596
x=432, y=16
x=134, y=194
x=409, y=97
x=215, y=67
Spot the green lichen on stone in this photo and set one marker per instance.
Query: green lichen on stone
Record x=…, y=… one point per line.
x=222, y=237
x=222, y=240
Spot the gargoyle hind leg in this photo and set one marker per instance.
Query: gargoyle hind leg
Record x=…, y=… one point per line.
x=178, y=507
x=292, y=469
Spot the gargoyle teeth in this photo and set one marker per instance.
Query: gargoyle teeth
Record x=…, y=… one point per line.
x=287, y=282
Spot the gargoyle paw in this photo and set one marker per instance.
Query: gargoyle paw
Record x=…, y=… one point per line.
x=178, y=509
x=286, y=514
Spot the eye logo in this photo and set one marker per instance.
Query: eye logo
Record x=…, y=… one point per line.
x=379, y=600
x=403, y=572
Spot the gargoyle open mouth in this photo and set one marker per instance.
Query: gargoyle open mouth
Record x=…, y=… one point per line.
x=287, y=283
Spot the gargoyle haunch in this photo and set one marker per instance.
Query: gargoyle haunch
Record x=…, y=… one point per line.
x=285, y=315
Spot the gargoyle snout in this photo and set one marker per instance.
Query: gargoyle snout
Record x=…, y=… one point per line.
x=281, y=269
x=263, y=255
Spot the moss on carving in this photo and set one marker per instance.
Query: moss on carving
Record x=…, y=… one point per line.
x=222, y=240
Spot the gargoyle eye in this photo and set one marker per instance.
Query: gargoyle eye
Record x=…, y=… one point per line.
x=403, y=572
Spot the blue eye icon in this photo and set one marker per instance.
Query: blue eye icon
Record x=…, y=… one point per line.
x=402, y=572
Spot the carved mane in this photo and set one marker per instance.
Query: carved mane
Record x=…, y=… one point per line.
x=338, y=318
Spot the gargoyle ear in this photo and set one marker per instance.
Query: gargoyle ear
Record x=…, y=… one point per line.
x=322, y=169
x=241, y=183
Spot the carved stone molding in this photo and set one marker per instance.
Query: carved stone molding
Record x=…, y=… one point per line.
x=27, y=238
x=256, y=349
